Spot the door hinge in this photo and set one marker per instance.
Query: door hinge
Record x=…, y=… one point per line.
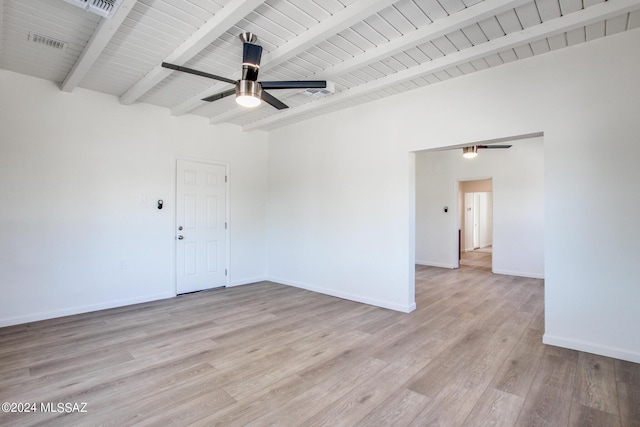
x=225, y=225
x=225, y=271
x=225, y=178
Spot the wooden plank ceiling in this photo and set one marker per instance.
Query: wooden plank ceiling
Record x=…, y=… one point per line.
x=370, y=49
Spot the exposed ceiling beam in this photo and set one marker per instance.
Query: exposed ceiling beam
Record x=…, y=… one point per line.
x=584, y=17
x=439, y=28
x=226, y=18
x=346, y=18
x=99, y=40
x=339, y=21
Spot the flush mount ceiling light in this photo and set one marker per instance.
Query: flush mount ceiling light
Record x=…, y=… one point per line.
x=469, y=152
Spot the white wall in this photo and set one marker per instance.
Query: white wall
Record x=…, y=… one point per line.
x=518, y=205
x=340, y=210
x=332, y=212
x=74, y=170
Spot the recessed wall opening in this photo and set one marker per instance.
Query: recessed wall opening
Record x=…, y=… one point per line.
x=505, y=190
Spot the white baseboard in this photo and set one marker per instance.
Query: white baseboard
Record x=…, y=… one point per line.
x=435, y=264
x=246, y=281
x=616, y=353
x=34, y=317
x=82, y=309
x=351, y=297
x=519, y=274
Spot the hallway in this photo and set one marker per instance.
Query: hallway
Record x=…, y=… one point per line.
x=477, y=260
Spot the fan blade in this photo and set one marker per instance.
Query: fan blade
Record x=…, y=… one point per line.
x=220, y=95
x=294, y=84
x=197, y=73
x=494, y=146
x=273, y=101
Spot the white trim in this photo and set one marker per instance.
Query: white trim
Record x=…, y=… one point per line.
x=519, y=274
x=351, y=297
x=454, y=212
x=436, y=264
x=616, y=353
x=250, y=281
x=411, y=250
x=82, y=309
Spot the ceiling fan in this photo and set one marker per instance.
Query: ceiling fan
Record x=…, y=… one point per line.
x=248, y=90
x=472, y=151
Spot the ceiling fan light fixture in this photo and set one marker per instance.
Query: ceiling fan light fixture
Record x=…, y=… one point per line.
x=470, y=152
x=249, y=101
x=248, y=93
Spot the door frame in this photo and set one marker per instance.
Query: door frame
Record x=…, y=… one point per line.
x=458, y=208
x=174, y=191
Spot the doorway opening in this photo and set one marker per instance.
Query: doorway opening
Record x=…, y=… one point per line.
x=475, y=218
x=437, y=207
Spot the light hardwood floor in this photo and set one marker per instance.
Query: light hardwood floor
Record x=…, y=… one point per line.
x=267, y=354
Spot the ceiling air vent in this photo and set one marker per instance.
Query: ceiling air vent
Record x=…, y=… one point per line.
x=320, y=93
x=104, y=8
x=47, y=41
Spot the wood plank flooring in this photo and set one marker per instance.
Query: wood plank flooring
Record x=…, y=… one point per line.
x=268, y=354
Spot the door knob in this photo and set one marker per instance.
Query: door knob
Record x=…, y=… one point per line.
x=180, y=228
x=180, y=237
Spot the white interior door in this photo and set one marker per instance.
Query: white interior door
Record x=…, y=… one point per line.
x=476, y=221
x=468, y=222
x=485, y=231
x=201, y=236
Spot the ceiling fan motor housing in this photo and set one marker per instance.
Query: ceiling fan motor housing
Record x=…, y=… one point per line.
x=248, y=88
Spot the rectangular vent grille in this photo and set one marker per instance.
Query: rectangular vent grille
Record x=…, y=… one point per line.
x=47, y=41
x=104, y=8
x=320, y=93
